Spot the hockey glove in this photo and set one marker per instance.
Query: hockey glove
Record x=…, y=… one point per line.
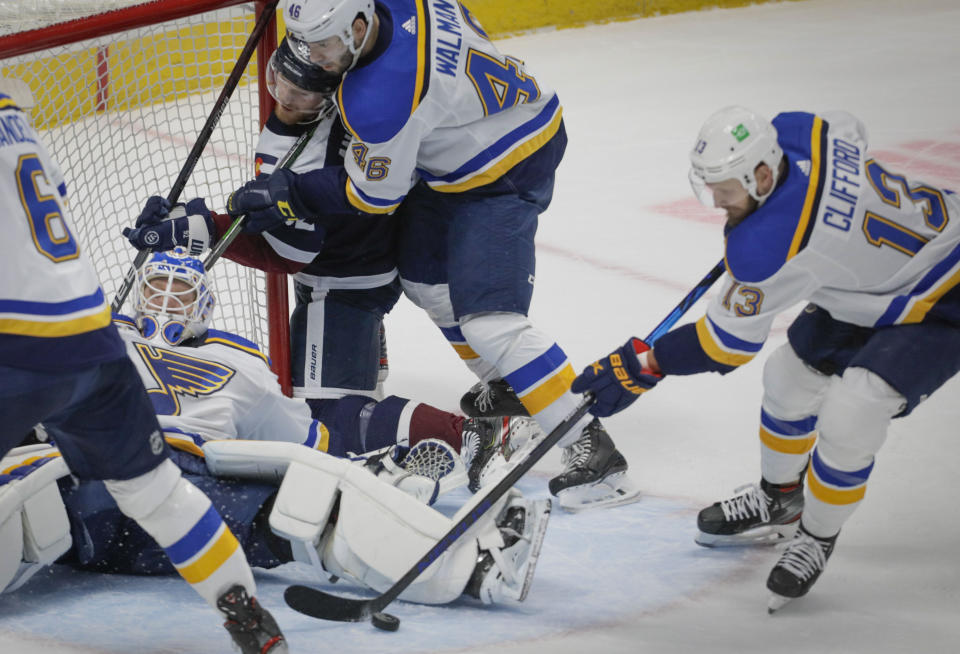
x=618, y=379
x=267, y=201
x=162, y=227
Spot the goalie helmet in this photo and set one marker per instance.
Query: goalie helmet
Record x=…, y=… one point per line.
x=174, y=300
x=731, y=144
x=312, y=21
x=299, y=85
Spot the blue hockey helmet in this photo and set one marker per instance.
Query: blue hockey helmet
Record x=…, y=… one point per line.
x=173, y=298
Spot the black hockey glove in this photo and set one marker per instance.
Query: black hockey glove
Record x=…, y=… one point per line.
x=268, y=202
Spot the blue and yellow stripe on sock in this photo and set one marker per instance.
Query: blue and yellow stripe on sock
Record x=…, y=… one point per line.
x=458, y=342
x=788, y=436
x=542, y=381
x=204, y=548
x=834, y=486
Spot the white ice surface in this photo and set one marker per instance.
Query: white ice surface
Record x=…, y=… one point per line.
x=621, y=244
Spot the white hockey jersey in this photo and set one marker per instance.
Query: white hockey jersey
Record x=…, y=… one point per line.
x=842, y=231
x=441, y=104
x=53, y=313
x=221, y=389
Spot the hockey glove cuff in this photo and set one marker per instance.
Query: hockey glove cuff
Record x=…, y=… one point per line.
x=162, y=227
x=617, y=380
x=268, y=201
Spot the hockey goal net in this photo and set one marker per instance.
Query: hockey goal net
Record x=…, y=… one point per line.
x=122, y=89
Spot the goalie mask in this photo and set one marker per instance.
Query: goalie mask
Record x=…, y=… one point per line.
x=731, y=144
x=298, y=85
x=174, y=301
x=312, y=24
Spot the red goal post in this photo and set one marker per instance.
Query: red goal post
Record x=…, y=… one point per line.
x=122, y=88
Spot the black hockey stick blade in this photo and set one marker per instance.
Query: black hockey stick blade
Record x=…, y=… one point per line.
x=266, y=15
x=319, y=604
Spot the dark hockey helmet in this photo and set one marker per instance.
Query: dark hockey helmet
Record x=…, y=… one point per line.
x=302, y=74
x=300, y=87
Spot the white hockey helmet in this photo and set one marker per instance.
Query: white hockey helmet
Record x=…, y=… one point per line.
x=174, y=300
x=311, y=21
x=731, y=144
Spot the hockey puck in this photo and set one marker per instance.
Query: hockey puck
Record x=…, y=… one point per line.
x=385, y=621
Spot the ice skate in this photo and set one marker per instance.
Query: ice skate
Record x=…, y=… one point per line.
x=760, y=514
x=253, y=629
x=518, y=436
x=492, y=399
x=799, y=567
x=505, y=573
x=481, y=442
x=594, y=473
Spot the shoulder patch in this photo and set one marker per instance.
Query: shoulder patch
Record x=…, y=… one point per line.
x=776, y=232
x=217, y=337
x=377, y=100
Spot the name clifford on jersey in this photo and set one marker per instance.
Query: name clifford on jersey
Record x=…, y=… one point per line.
x=844, y=187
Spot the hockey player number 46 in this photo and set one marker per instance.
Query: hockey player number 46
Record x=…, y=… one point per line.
x=881, y=230
x=51, y=236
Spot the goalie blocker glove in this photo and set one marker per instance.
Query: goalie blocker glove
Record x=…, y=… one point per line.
x=268, y=202
x=161, y=227
x=619, y=379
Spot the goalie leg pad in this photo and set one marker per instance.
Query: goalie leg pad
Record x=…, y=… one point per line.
x=379, y=536
x=34, y=529
x=380, y=531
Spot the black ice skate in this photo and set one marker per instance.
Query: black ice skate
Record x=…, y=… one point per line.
x=481, y=442
x=253, y=629
x=800, y=565
x=505, y=573
x=594, y=473
x=495, y=398
x=758, y=515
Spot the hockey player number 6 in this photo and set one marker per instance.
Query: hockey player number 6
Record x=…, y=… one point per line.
x=51, y=236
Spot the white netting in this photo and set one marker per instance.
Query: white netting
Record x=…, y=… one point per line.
x=22, y=15
x=120, y=113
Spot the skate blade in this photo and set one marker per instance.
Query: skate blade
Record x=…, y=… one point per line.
x=536, y=542
x=615, y=490
x=755, y=537
x=777, y=602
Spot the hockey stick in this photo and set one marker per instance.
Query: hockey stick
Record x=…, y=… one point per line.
x=234, y=229
x=202, y=138
x=319, y=604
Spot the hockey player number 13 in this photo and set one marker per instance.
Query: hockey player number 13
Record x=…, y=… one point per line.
x=51, y=236
x=881, y=230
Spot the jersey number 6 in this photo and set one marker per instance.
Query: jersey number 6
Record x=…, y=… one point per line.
x=51, y=236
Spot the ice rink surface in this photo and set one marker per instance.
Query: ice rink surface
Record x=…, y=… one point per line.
x=621, y=244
